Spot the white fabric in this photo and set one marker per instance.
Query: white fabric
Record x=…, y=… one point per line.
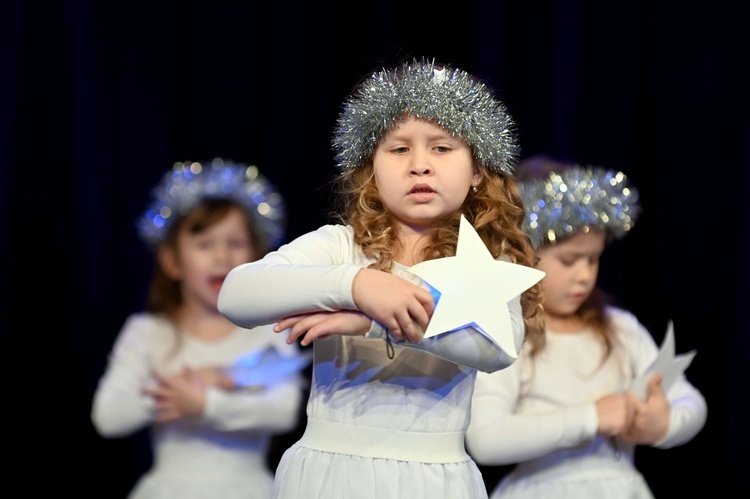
x=356, y=385
x=224, y=453
x=368, y=441
x=542, y=415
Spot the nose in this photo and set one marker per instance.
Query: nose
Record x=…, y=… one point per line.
x=587, y=272
x=222, y=254
x=420, y=163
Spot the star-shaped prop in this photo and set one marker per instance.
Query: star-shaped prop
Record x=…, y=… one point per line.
x=474, y=289
x=667, y=363
x=263, y=368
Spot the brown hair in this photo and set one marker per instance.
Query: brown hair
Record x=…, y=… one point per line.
x=164, y=294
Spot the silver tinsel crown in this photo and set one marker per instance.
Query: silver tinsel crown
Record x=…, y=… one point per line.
x=459, y=103
x=187, y=183
x=564, y=203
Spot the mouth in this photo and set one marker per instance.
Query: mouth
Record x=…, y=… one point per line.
x=421, y=189
x=216, y=282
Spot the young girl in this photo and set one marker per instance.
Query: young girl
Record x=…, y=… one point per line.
x=418, y=146
x=181, y=367
x=563, y=409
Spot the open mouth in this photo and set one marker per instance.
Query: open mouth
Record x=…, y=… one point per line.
x=216, y=282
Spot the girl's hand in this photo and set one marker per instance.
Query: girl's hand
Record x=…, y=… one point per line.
x=212, y=376
x=394, y=302
x=616, y=413
x=311, y=326
x=651, y=421
x=179, y=396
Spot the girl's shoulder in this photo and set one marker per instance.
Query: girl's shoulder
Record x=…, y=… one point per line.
x=147, y=326
x=626, y=324
x=330, y=231
x=334, y=242
x=620, y=316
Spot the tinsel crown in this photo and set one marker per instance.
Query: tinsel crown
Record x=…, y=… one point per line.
x=564, y=203
x=453, y=98
x=187, y=183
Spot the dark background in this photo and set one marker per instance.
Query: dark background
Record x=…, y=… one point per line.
x=99, y=99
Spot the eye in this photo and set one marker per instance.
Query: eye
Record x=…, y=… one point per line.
x=203, y=244
x=568, y=261
x=239, y=243
x=400, y=150
x=443, y=149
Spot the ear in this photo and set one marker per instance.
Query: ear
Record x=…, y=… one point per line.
x=476, y=178
x=169, y=262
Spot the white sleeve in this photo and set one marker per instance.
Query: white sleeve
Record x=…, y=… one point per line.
x=467, y=346
x=688, y=413
x=688, y=409
x=272, y=410
x=497, y=436
x=119, y=407
x=309, y=274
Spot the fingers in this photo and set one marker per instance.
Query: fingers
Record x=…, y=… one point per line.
x=654, y=385
x=288, y=322
x=393, y=301
x=320, y=325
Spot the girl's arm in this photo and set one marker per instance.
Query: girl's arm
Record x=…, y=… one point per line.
x=497, y=436
x=317, y=273
x=273, y=406
x=687, y=406
x=312, y=273
x=120, y=407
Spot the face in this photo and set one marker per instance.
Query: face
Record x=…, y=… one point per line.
x=572, y=267
x=423, y=173
x=204, y=259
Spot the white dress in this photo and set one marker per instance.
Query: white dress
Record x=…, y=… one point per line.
x=223, y=454
x=377, y=427
x=545, y=419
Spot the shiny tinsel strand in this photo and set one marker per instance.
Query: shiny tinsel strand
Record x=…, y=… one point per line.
x=451, y=97
x=187, y=183
x=565, y=203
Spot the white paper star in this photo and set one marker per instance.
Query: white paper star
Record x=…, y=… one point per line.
x=667, y=363
x=475, y=290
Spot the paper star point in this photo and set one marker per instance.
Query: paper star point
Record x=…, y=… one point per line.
x=667, y=363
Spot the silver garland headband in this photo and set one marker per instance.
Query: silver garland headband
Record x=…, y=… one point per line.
x=459, y=103
x=564, y=203
x=188, y=183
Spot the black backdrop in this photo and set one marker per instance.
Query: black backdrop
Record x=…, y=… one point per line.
x=98, y=99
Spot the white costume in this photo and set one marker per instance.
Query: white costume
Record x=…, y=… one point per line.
x=542, y=415
x=377, y=427
x=224, y=453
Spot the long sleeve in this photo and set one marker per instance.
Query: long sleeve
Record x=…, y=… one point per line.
x=497, y=435
x=148, y=343
x=546, y=404
x=316, y=271
x=119, y=407
x=688, y=409
x=688, y=413
x=313, y=272
x=273, y=410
